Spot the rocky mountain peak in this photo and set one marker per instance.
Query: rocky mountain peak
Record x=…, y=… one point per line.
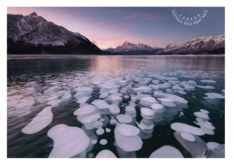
x=33, y=14
x=34, y=34
x=210, y=45
x=125, y=43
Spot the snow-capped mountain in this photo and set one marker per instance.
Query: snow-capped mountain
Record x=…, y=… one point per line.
x=133, y=49
x=109, y=50
x=32, y=34
x=200, y=45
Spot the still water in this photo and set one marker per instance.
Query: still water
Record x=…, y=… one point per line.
x=34, y=81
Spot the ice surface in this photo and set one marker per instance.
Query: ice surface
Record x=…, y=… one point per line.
x=43, y=119
x=68, y=141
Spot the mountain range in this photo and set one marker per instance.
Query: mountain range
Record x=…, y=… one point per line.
x=133, y=49
x=201, y=45
x=32, y=34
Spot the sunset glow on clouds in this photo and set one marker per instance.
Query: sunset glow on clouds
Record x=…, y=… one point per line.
x=112, y=26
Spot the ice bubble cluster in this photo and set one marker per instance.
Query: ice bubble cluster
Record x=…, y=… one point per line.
x=114, y=109
x=159, y=110
x=100, y=131
x=104, y=95
x=208, y=81
x=166, y=152
x=106, y=154
x=84, y=111
x=90, y=120
x=54, y=103
x=100, y=104
x=94, y=141
x=68, y=141
x=203, y=122
x=206, y=87
x=108, y=130
x=82, y=100
x=196, y=147
x=215, y=95
x=124, y=118
x=213, y=145
x=130, y=111
x=103, y=142
x=147, y=101
x=181, y=127
x=128, y=130
x=120, y=97
x=43, y=119
x=128, y=141
x=146, y=125
x=187, y=136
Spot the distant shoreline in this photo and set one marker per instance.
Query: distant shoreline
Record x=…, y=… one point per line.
x=30, y=56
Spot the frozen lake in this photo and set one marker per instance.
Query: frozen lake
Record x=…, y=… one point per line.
x=129, y=106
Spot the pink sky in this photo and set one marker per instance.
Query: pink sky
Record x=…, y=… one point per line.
x=112, y=26
x=103, y=34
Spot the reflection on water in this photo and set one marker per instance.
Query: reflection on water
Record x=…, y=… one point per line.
x=36, y=82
